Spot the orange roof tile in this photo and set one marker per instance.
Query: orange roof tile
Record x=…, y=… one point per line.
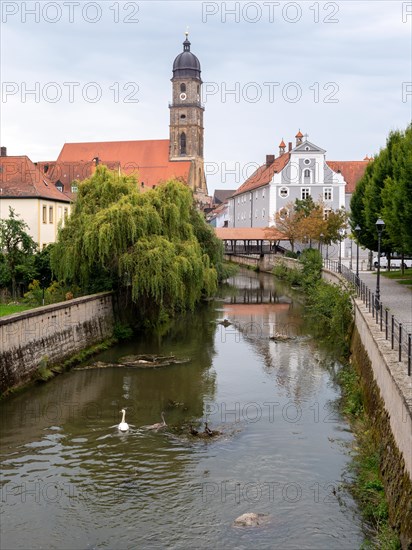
x=352, y=171
x=249, y=233
x=148, y=160
x=263, y=174
x=282, y=144
x=21, y=178
x=299, y=134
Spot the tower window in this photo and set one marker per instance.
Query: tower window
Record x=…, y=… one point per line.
x=182, y=116
x=182, y=143
x=182, y=87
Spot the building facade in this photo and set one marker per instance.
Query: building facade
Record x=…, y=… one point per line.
x=297, y=173
x=27, y=190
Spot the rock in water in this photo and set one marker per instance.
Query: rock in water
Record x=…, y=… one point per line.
x=250, y=519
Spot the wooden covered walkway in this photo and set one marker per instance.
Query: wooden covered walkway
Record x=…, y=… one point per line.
x=251, y=240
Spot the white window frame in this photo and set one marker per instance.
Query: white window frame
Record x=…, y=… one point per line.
x=304, y=191
x=283, y=189
x=328, y=191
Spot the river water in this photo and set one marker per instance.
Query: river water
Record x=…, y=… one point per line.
x=71, y=480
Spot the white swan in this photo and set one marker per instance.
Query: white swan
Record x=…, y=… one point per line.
x=123, y=426
x=158, y=425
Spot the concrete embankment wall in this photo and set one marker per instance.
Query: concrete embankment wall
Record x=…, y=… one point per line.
x=50, y=334
x=387, y=391
x=390, y=375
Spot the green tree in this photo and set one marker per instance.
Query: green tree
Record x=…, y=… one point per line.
x=151, y=243
x=17, y=249
x=385, y=191
x=397, y=195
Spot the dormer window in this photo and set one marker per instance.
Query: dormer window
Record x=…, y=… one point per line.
x=306, y=173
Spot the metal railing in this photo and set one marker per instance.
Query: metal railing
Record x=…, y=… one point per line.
x=394, y=330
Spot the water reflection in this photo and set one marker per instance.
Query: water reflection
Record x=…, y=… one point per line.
x=71, y=480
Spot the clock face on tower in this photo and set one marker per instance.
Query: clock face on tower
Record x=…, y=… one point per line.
x=183, y=96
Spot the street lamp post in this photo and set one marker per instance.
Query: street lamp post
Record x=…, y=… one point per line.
x=43, y=280
x=341, y=236
x=357, y=231
x=380, y=224
x=321, y=243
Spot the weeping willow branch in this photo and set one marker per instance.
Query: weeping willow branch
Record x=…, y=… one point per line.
x=154, y=243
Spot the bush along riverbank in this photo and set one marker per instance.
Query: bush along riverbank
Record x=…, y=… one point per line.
x=329, y=311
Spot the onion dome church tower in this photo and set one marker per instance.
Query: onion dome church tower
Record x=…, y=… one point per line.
x=186, y=116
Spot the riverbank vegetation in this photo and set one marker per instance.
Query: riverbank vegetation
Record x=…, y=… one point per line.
x=155, y=246
x=329, y=309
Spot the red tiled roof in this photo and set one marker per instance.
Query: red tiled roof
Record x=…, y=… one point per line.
x=249, y=233
x=299, y=134
x=282, y=144
x=20, y=178
x=148, y=160
x=352, y=171
x=263, y=174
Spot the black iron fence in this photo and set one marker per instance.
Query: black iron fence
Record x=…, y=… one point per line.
x=394, y=330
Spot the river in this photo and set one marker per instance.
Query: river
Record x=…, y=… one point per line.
x=71, y=480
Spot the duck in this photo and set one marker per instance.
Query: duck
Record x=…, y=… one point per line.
x=207, y=430
x=158, y=425
x=193, y=431
x=123, y=426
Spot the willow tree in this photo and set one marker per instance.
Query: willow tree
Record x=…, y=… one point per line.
x=143, y=242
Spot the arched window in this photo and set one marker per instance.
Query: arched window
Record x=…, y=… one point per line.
x=306, y=174
x=182, y=143
x=182, y=116
x=182, y=87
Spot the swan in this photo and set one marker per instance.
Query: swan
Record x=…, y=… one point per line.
x=123, y=426
x=158, y=425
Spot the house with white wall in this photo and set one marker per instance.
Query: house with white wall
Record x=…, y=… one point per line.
x=35, y=198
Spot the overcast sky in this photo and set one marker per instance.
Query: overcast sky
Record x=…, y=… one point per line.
x=339, y=71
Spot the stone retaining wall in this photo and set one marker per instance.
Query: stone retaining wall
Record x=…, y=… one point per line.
x=390, y=375
x=50, y=334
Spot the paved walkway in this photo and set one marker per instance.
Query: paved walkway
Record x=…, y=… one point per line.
x=398, y=298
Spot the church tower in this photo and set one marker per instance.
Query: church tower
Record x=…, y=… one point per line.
x=186, y=116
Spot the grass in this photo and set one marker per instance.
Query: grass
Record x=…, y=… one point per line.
x=405, y=279
x=367, y=486
x=9, y=309
x=397, y=275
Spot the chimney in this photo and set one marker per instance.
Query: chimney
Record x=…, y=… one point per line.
x=270, y=159
x=290, y=146
x=95, y=163
x=3, y=152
